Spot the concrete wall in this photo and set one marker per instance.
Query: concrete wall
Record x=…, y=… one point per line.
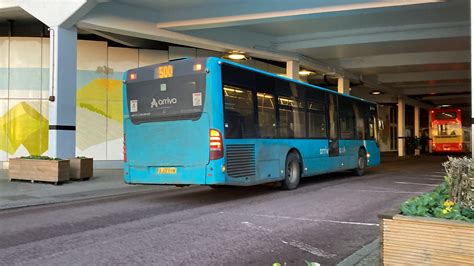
x=24, y=78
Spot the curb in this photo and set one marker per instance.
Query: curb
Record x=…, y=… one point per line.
x=75, y=199
x=367, y=251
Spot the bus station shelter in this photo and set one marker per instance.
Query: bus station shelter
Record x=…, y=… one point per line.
x=61, y=62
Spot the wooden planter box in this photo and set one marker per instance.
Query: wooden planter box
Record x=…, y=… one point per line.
x=425, y=241
x=52, y=171
x=81, y=169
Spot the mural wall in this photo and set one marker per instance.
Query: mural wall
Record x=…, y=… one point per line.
x=24, y=81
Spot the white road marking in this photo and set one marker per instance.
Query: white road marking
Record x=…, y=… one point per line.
x=256, y=227
x=301, y=219
x=308, y=248
x=382, y=191
x=297, y=244
x=420, y=184
x=439, y=176
x=422, y=177
x=435, y=179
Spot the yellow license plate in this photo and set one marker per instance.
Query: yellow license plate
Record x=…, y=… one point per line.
x=167, y=170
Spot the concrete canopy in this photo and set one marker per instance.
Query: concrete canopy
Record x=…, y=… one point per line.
x=418, y=50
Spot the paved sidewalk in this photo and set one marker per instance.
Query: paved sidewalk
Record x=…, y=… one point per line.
x=104, y=183
x=369, y=255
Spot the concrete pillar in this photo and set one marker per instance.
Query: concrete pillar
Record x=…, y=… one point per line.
x=343, y=85
x=62, y=105
x=293, y=69
x=401, y=127
x=417, y=122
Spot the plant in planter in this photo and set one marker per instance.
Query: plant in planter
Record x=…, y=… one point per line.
x=39, y=168
x=436, y=227
x=417, y=146
x=413, y=145
x=81, y=168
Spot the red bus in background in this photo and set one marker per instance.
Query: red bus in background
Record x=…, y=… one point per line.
x=447, y=131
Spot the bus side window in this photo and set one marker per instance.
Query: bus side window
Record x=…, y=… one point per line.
x=316, y=120
x=239, y=104
x=317, y=113
x=347, y=119
x=239, y=118
x=359, y=120
x=292, y=118
x=266, y=105
x=372, y=121
x=291, y=111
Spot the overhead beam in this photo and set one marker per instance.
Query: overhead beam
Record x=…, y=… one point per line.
x=413, y=102
x=123, y=40
x=373, y=35
x=453, y=102
x=265, y=13
x=424, y=76
x=390, y=95
x=113, y=18
x=58, y=13
x=9, y=5
x=131, y=21
x=405, y=59
x=445, y=97
x=246, y=38
x=436, y=89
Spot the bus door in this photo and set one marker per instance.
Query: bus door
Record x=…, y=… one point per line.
x=333, y=126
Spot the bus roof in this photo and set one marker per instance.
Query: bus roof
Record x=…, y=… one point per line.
x=217, y=59
x=289, y=79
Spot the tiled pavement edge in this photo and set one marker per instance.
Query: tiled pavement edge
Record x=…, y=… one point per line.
x=369, y=255
x=105, y=183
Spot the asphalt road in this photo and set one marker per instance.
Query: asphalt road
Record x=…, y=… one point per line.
x=325, y=220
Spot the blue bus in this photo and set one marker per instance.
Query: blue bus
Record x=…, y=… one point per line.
x=209, y=121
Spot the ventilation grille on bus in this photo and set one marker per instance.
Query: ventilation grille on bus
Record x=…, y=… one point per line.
x=240, y=160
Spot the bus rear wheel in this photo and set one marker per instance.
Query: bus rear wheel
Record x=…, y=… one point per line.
x=361, y=163
x=292, y=172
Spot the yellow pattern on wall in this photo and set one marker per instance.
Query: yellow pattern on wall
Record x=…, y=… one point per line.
x=23, y=125
x=93, y=98
x=27, y=126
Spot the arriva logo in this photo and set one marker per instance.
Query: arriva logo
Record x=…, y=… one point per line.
x=167, y=101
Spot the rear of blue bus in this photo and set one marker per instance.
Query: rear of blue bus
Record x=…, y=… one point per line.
x=171, y=133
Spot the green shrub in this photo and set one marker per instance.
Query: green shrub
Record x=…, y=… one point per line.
x=437, y=204
x=82, y=157
x=40, y=157
x=453, y=199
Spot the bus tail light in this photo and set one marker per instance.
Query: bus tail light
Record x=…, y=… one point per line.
x=124, y=149
x=216, y=149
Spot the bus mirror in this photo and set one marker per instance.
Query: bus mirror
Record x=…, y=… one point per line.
x=381, y=124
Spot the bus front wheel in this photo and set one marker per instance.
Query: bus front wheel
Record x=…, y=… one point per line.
x=361, y=163
x=292, y=172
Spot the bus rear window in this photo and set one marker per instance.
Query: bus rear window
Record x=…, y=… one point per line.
x=445, y=115
x=165, y=99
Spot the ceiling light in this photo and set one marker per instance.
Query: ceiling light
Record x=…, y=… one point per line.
x=304, y=72
x=375, y=92
x=445, y=105
x=236, y=55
